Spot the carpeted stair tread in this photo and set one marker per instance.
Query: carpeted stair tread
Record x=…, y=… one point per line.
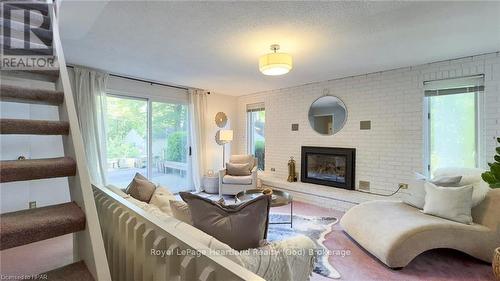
x=49, y=75
x=75, y=272
x=32, y=169
x=28, y=95
x=33, y=127
x=32, y=225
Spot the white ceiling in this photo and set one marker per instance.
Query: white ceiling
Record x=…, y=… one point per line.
x=216, y=45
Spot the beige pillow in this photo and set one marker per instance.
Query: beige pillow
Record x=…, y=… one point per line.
x=180, y=211
x=234, y=169
x=240, y=226
x=141, y=188
x=161, y=199
x=416, y=190
x=453, y=203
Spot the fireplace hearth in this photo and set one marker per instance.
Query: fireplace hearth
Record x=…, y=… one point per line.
x=332, y=166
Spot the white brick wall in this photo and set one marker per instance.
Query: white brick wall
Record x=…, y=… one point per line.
x=393, y=149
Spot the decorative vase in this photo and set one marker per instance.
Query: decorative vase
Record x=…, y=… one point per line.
x=496, y=264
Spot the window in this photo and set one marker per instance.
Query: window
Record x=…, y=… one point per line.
x=256, y=119
x=127, y=135
x=147, y=137
x=452, y=122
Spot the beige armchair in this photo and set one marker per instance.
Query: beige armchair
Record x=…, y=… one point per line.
x=231, y=185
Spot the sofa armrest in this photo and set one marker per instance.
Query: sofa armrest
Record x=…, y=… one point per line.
x=222, y=173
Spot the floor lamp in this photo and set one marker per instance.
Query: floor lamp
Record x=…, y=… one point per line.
x=225, y=136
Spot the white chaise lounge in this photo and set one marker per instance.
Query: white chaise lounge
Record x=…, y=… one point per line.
x=396, y=233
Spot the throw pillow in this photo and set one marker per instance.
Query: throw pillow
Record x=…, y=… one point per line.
x=239, y=226
x=453, y=203
x=470, y=176
x=141, y=188
x=234, y=169
x=161, y=199
x=416, y=189
x=180, y=211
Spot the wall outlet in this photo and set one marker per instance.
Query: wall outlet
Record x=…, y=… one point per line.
x=403, y=185
x=32, y=204
x=364, y=185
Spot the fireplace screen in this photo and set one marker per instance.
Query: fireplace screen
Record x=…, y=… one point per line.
x=333, y=166
x=326, y=167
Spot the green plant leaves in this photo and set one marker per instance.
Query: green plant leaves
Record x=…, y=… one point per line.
x=488, y=177
x=497, y=158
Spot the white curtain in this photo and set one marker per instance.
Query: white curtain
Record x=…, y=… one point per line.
x=89, y=88
x=197, y=111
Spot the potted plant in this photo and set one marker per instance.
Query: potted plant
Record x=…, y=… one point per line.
x=492, y=177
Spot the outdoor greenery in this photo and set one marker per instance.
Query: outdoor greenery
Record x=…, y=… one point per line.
x=126, y=128
x=260, y=152
x=453, y=131
x=177, y=147
x=493, y=175
x=124, y=116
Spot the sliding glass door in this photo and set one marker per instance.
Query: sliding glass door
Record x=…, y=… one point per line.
x=127, y=139
x=149, y=137
x=170, y=145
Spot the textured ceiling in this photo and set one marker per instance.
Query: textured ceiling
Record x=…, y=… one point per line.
x=216, y=45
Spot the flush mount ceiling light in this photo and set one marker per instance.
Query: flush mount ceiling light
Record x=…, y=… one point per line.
x=275, y=63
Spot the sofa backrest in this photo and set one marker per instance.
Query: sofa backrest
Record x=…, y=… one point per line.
x=243, y=159
x=487, y=213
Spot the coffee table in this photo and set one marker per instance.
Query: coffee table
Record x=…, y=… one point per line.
x=278, y=198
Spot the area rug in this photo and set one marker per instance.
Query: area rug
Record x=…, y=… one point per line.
x=313, y=227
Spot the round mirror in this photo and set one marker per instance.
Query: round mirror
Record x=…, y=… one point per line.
x=221, y=119
x=327, y=115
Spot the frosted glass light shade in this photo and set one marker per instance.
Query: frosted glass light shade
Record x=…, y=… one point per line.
x=275, y=64
x=226, y=135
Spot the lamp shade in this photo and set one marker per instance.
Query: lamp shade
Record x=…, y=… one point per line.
x=226, y=135
x=275, y=63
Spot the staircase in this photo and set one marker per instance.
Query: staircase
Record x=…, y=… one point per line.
x=78, y=216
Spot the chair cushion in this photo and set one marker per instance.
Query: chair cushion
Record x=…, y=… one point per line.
x=235, y=169
x=228, y=179
x=240, y=226
x=243, y=159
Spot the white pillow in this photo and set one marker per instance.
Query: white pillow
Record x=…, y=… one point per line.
x=453, y=203
x=161, y=199
x=416, y=189
x=470, y=176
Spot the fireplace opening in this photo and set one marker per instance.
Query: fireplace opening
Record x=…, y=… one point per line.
x=332, y=166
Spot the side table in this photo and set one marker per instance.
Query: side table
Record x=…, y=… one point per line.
x=211, y=184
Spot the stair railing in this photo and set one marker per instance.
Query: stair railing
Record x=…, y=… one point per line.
x=88, y=244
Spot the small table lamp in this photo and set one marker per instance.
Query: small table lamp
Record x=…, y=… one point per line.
x=225, y=136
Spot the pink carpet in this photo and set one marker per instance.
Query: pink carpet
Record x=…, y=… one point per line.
x=359, y=265
x=441, y=264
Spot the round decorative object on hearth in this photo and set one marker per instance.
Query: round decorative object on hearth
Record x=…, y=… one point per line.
x=496, y=264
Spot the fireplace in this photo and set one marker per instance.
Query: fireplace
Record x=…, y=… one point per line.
x=332, y=166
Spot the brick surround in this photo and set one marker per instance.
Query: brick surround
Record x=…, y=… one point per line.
x=393, y=149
